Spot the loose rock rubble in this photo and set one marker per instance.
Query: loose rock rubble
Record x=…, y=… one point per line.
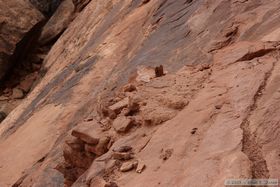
x=140, y=167
x=86, y=144
x=117, y=107
x=147, y=105
x=127, y=166
x=123, y=124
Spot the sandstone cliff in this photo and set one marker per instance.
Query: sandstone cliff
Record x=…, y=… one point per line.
x=17, y=18
x=150, y=93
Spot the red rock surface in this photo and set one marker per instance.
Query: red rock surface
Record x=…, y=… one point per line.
x=58, y=22
x=211, y=117
x=17, y=19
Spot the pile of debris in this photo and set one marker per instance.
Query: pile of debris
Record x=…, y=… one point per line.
x=151, y=99
x=86, y=143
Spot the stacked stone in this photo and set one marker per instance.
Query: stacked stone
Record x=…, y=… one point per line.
x=85, y=144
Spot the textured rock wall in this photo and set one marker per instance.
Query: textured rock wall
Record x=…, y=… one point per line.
x=17, y=18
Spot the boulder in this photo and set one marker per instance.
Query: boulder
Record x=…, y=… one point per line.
x=126, y=107
x=117, y=107
x=123, y=124
x=17, y=19
x=87, y=132
x=100, y=148
x=140, y=167
x=58, y=22
x=127, y=166
x=75, y=143
x=123, y=149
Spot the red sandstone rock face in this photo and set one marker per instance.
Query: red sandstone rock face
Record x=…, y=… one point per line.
x=212, y=116
x=17, y=18
x=58, y=22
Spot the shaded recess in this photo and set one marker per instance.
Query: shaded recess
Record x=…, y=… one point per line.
x=47, y=7
x=26, y=61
